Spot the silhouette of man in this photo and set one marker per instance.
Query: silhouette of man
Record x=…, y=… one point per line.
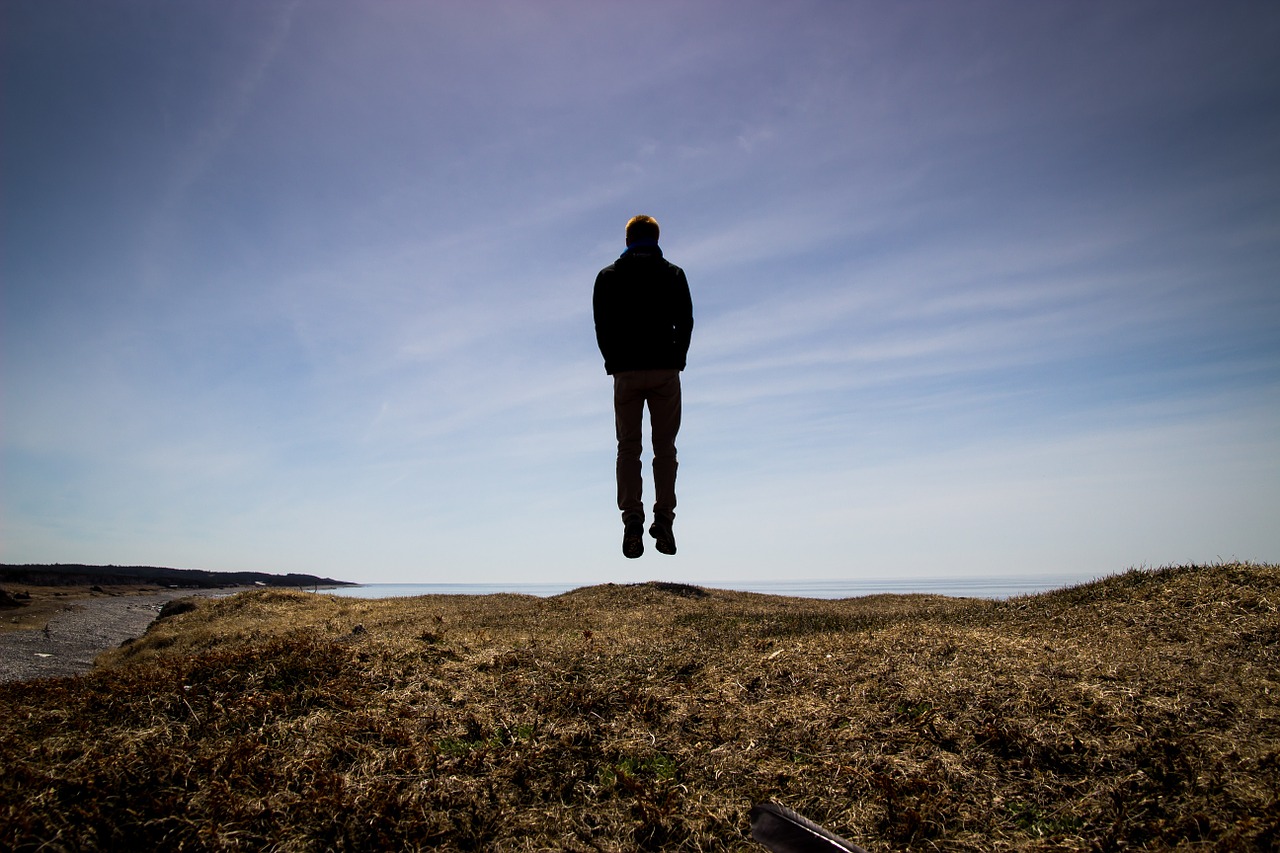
x=644, y=319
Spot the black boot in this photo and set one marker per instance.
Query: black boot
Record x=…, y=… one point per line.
x=633, y=540
x=664, y=539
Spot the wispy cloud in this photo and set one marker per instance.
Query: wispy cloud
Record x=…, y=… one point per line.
x=982, y=287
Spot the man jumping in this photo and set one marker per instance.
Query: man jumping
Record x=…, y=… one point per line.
x=644, y=320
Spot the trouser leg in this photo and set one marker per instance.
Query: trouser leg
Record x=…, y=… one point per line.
x=664, y=418
x=628, y=409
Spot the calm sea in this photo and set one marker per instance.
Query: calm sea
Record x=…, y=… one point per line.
x=1003, y=586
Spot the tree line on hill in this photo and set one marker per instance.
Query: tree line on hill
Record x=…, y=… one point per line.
x=69, y=574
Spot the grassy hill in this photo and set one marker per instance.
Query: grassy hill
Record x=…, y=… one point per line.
x=1137, y=712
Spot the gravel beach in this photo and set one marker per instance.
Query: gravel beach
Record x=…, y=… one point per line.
x=78, y=632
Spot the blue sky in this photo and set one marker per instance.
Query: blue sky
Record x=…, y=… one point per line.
x=980, y=288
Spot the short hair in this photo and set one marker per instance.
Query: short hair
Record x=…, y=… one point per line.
x=642, y=228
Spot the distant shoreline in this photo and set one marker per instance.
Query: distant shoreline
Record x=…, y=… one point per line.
x=76, y=574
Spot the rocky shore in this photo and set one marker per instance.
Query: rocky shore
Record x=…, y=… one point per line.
x=78, y=629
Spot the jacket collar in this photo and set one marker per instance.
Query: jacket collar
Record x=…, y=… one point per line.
x=642, y=248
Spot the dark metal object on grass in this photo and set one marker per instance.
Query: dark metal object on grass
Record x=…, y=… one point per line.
x=781, y=830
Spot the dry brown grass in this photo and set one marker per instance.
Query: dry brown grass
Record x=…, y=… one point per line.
x=1139, y=712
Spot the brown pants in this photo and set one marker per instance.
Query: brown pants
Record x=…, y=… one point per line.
x=660, y=389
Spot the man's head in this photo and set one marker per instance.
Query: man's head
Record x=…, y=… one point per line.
x=642, y=229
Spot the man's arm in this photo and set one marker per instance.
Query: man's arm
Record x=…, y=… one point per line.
x=683, y=321
x=601, y=315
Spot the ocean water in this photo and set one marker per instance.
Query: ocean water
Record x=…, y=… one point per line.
x=995, y=586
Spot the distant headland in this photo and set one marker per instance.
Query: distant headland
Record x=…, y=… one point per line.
x=70, y=574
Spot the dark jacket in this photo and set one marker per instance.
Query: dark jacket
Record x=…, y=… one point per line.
x=643, y=312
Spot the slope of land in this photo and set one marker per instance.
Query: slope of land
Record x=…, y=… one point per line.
x=1137, y=712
